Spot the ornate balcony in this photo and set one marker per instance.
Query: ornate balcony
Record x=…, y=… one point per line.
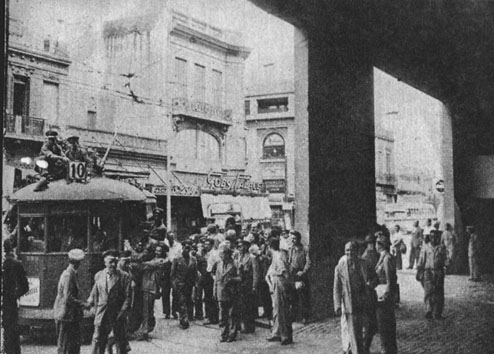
x=201, y=110
x=24, y=127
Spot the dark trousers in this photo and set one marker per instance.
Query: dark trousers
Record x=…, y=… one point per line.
x=100, y=336
x=198, y=301
x=11, y=341
x=434, y=292
x=68, y=337
x=148, y=319
x=229, y=319
x=301, y=302
x=386, y=322
x=248, y=309
x=211, y=305
x=185, y=304
x=166, y=290
x=414, y=256
x=266, y=300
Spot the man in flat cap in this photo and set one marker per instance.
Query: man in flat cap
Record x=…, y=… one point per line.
x=75, y=152
x=111, y=298
x=68, y=307
x=52, y=153
x=249, y=283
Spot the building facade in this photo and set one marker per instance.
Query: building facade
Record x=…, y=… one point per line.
x=269, y=117
x=157, y=93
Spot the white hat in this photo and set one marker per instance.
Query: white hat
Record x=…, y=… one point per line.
x=76, y=254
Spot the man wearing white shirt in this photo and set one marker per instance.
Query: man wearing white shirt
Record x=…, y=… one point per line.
x=173, y=245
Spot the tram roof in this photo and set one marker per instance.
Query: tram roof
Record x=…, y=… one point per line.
x=94, y=189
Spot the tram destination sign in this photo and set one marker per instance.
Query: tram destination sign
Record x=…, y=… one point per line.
x=77, y=171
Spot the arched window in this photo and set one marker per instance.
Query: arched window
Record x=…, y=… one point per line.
x=273, y=147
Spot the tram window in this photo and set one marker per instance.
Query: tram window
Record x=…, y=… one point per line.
x=67, y=232
x=32, y=234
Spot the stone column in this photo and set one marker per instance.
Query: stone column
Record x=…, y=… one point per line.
x=335, y=172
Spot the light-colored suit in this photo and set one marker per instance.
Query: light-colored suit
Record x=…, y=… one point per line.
x=352, y=294
x=68, y=313
x=111, y=297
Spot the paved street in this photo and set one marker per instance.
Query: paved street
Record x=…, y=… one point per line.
x=468, y=328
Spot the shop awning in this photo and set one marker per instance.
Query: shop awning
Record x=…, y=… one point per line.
x=256, y=208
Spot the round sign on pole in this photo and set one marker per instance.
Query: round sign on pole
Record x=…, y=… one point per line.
x=440, y=186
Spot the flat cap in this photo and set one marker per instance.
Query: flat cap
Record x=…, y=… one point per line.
x=51, y=134
x=76, y=254
x=72, y=137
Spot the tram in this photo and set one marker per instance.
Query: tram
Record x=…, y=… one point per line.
x=93, y=215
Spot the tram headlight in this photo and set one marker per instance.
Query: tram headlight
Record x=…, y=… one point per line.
x=26, y=160
x=42, y=164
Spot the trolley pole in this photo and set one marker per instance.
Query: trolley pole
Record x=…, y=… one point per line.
x=168, y=188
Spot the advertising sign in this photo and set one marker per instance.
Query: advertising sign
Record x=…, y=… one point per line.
x=31, y=298
x=217, y=181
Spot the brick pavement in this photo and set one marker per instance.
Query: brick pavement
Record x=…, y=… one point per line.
x=467, y=329
x=468, y=326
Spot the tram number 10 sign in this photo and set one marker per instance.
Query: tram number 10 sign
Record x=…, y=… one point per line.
x=77, y=171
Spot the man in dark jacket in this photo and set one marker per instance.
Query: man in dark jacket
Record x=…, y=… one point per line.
x=183, y=276
x=150, y=290
x=68, y=307
x=248, y=286
x=14, y=285
x=226, y=293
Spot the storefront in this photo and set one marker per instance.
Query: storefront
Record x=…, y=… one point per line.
x=217, y=195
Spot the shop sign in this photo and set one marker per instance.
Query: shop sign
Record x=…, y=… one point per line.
x=275, y=186
x=31, y=298
x=217, y=181
x=202, y=109
x=177, y=190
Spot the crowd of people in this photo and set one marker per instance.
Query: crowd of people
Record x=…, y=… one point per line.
x=223, y=279
x=366, y=290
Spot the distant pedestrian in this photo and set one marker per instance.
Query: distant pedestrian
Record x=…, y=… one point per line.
x=427, y=231
x=432, y=265
x=416, y=244
x=386, y=272
x=111, y=298
x=281, y=286
x=354, y=282
x=14, y=285
x=473, y=254
x=68, y=307
x=398, y=246
x=448, y=240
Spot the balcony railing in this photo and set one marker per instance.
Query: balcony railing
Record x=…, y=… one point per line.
x=23, y=125
x=386, y=178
